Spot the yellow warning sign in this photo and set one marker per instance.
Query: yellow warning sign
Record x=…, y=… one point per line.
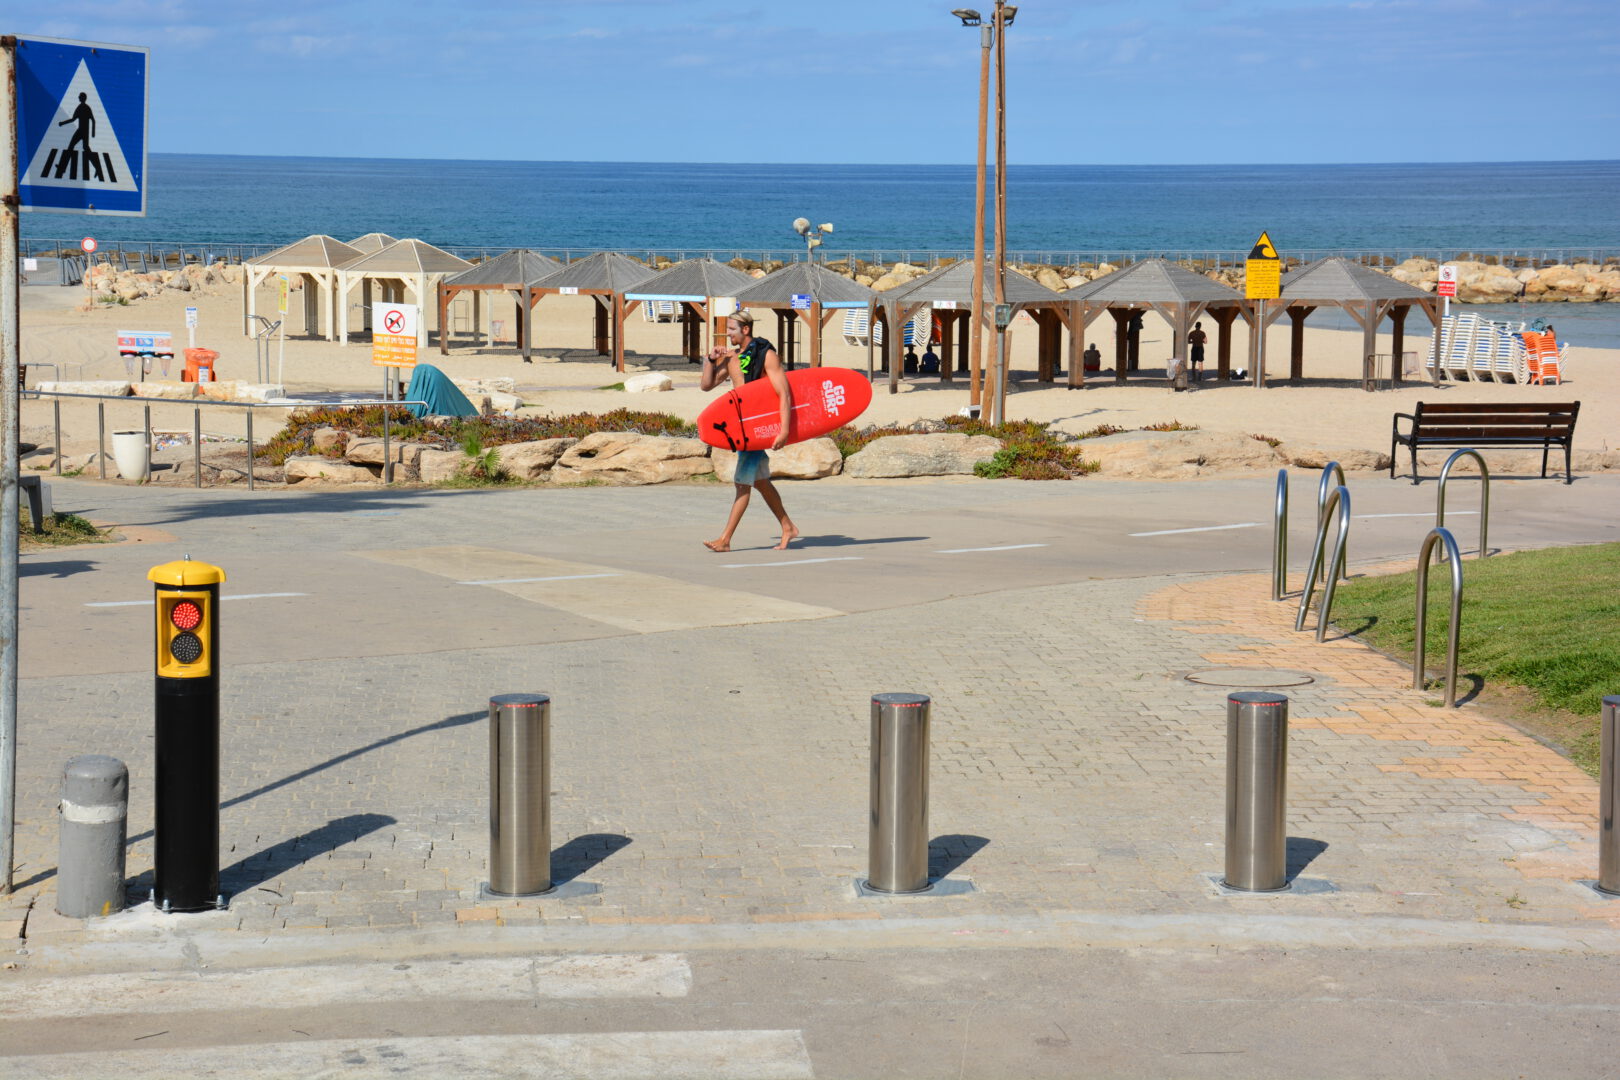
x=1263, y=272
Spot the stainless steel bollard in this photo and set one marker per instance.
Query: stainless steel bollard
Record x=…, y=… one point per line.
x=520, y=794
x=90, y=861
x=1608, y=879
x=1256, y=783
x=898, y=840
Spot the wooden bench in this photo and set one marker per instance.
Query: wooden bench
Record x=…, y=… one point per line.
x=1513, y=426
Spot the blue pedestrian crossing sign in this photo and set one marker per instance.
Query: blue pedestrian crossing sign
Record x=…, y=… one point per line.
x=81, y=126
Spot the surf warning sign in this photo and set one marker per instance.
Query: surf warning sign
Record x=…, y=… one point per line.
x=81, y=126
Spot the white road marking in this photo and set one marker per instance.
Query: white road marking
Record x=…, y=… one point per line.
x=148, y=603
x=790, y=562
x=613, y=1055
x=527, y=580
x=1202, y=528
x=1004, y=547
x=505, y=979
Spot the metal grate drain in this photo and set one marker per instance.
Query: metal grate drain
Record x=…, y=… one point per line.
x=1250, y=678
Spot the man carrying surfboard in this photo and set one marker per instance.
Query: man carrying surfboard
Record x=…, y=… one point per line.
x=747, y=360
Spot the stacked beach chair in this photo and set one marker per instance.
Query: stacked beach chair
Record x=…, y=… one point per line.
x=1476, y=348
x=656, y=311
x=918, y=331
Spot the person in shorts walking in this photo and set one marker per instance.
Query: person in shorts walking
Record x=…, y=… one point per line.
x=747, y=359
x=1197, y=339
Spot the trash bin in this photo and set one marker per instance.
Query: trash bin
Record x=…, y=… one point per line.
x=199, y=365
x=133, y=453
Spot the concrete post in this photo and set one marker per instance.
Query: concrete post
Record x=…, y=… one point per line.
x=90, y=866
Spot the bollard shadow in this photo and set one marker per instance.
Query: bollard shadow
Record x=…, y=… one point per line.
x=273, y=861
x=57, y=568
x=840, y=540
x=1301, y=853
x=947, y=853
x=584, y=852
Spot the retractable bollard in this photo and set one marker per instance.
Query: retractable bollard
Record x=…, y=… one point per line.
x=185, y=835
x=519, y=794
x=898, y=856
x=1256, y=782
x=1608, y=879
x=90, y=862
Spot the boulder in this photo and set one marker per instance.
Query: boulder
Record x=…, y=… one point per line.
x=1589, y=460
x=1050, y=278
x=1560, y=278
x=325, y=470
x=434, y=466
x=109, y=387
x=176, y=391
x=921, y=455
x=328, y=438
x=888, y=281
x=261, y=392
x=808, y=460
x=502, y=402
x=617, y=457
x=532, y=460
x=1315, y=457
x=220, y=390
x=369, y=451
x=1173, y=455
x=1490, y=289
x=652, y=382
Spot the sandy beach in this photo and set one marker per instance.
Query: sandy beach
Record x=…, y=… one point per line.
x=1328, y=409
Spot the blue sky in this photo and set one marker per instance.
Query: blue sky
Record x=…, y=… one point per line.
x=1099, y=82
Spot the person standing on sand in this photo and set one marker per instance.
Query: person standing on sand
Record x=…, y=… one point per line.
x=750, y=358
x=1197, y=339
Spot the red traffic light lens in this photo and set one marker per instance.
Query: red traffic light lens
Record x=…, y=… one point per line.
x=186, y=615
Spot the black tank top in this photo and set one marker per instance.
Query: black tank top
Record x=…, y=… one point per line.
x=752, y=359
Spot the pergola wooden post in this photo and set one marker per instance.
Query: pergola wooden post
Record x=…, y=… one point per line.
x=1296, y=341
x=1122, y=319
x=1080, y=317
x=1397, y=320
x=1224, y=318
x=894, y=340
x=1257, y=330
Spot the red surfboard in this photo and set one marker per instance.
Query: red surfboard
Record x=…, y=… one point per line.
x=824, y=398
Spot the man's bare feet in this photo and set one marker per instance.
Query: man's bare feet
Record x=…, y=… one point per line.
x=717, y=545
x=789, y=535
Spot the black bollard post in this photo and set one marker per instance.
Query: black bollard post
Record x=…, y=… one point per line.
x=186, y=830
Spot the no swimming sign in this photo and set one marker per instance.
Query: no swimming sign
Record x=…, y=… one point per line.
x=81, y=126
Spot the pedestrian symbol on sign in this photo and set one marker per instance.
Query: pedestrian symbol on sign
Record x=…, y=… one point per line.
x=81, y=150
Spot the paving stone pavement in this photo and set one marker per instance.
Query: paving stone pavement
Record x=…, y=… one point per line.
x=720, y=775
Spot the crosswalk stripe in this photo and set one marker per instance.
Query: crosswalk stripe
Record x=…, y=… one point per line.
x=670, y=1055
x=664, y=975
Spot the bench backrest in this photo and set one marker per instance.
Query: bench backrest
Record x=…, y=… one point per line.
x=1530, y=419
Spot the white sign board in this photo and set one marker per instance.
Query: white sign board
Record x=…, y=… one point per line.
x=393, y=335
x=1447, y=285
x=191, y=318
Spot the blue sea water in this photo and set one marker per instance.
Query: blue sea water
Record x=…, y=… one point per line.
x=627, y=206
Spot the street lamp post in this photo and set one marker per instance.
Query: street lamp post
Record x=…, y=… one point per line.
x=970, y=17
x=1005, y=14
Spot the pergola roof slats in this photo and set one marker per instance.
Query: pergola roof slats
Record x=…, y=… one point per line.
x=1336, y=280
x=692, y=281
x=511, y=270
x=830, y=290
x=1154, y=281
x=955, y=283
x=317, y=251
x=372, y=242
x=606, y=271
x=407, y=257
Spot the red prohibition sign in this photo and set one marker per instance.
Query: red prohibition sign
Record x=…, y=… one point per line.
x=394, y=321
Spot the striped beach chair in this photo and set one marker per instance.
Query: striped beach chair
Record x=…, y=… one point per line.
x=855, y=330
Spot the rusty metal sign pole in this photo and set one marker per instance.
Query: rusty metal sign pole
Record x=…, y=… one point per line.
x=10, y=408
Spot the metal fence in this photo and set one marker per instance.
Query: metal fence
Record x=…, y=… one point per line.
x=145, y=256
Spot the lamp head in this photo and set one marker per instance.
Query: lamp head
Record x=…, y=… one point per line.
x=1008, y=13
x=826, y=228
x=968, y=16
x=801, y=225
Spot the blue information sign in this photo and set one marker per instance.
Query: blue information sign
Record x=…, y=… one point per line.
x=81, y=126
x=801, y=301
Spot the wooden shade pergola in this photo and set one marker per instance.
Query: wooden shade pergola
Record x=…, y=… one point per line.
x=949, y=292
x=511, y=273
x=315, y=260
x=605, y=277
x=1367, y=295
x=694, y=284
x=413, y=264
x=1178, y=294
x=829, y=293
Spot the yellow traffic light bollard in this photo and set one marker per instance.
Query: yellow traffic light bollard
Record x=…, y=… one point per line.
x=186, y=832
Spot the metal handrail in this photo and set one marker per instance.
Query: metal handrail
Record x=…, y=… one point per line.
x=1484, y=495
x=1322, y=489
x=261, y=345
x=1340, y=501
x=196, y=425
x=1279, y=539
x=1419, y=630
